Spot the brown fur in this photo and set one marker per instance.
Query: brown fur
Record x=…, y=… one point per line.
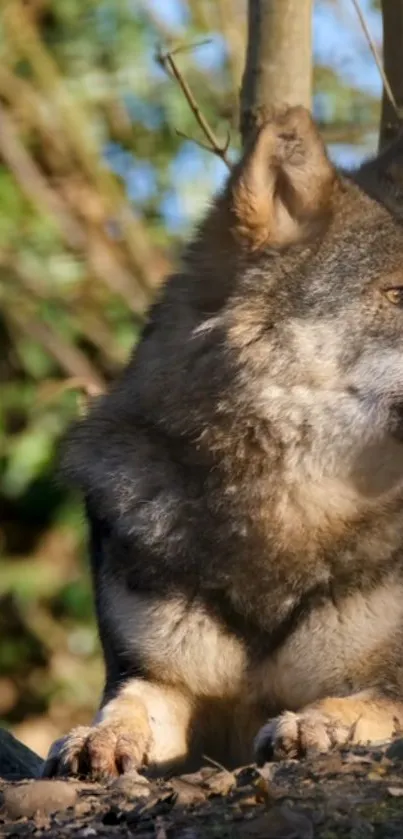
x=283, y=187
x=244, y=479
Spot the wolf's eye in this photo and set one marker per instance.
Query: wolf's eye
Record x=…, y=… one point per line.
x=394, y=295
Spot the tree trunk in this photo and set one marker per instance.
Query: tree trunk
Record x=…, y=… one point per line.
x=391, y=119
x=279, y=59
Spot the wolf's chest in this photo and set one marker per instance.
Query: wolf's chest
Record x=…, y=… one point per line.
x=337, y=649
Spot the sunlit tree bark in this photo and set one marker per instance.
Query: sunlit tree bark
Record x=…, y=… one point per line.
x=279, y=58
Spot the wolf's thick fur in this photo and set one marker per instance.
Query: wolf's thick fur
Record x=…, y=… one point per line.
x=244, y=479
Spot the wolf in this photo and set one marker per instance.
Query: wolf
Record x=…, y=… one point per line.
x=243, y=479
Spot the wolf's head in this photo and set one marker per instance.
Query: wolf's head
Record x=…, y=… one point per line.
x=301, y=266
x=272, y=364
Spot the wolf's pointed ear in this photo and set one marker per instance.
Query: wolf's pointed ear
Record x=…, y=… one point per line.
x=382, y=177
x=280, y=192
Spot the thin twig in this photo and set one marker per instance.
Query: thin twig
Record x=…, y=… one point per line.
x=53, y=389
x=375, y=53
x=215, y=763
x=187, y=47
x=199, y=143
x=168, y=62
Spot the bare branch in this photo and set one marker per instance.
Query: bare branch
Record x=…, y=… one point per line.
x=194, y=140
x=375, y=53
x=50, y=390
x=189, y=47
x=168, y=62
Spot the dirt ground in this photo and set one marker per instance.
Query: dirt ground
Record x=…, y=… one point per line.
x=353, y=794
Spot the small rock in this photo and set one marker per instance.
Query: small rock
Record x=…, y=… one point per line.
x=220, y=783
x=186, y=792
x=395, y=792
x=132, y=785
x=38, y=797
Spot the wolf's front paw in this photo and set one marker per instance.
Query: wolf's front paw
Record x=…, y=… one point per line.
x=296, y=735
x=108, y=749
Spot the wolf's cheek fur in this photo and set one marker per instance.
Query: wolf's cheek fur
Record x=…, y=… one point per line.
x=378, y=374
x=342, y=422
x=339, y=445
x=378, y=377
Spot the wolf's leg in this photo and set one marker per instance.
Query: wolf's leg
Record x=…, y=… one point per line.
x=365, y=717
x=145, y=724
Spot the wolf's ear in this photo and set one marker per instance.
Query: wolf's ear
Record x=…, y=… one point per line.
x=280, y=192
x=382, y=177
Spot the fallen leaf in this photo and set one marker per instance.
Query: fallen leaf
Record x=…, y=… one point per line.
x=396, y=792
x=350, y=757
x=187, y=792
x=220, y=783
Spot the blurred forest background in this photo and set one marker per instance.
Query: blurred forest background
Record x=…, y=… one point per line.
x=99, y=186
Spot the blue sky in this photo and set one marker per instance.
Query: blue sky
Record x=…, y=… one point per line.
x=338, y=41
x=337, y=36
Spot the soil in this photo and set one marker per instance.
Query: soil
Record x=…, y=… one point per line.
x=355, y=794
